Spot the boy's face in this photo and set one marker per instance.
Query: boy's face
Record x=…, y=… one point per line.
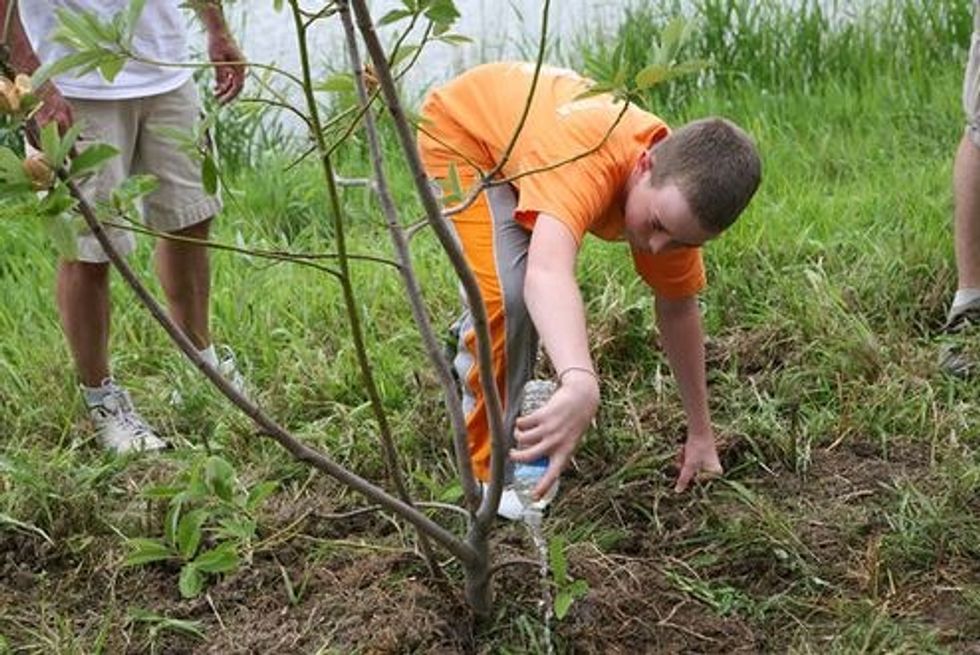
x=659, y=219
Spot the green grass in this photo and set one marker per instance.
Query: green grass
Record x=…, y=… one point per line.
x=848, y=522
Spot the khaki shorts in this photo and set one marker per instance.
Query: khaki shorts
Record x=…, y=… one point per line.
x=179, y=200
x=971, y=81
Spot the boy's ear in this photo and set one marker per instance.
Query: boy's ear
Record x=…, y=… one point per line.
x=644, y=162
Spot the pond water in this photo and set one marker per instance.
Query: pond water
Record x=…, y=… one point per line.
x=499, y=28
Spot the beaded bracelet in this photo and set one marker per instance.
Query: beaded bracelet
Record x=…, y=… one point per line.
x=577, y=368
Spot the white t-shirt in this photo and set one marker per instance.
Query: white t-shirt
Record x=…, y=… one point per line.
x=160, y=35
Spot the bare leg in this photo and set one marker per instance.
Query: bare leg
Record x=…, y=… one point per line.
x=83, y=303
x=966, y=188
x=184, y=272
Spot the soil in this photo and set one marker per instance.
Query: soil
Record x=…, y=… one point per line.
x=653, y=588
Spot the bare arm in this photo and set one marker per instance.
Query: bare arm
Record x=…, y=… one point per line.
x=554, y=302
x=683, y=339
x=228, y=60
x=23, y=59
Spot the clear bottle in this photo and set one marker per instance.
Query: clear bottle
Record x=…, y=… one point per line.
x=528, y=474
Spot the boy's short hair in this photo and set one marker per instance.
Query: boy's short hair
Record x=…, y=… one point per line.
x=716, y=166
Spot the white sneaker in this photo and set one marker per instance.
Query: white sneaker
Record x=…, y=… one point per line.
x=119, y=426
x=228, y=367
x=511, y=507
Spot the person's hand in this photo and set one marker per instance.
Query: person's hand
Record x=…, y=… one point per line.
x=698, y=459
x=555, y=429
x=229, y=66
x=54, y=108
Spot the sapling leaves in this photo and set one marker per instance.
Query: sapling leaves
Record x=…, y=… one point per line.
x=209, y=523
x=188, y=536
x=222, y=559
x=145, y=551
x=568, y=590
x=191, y=581
x=92, y=158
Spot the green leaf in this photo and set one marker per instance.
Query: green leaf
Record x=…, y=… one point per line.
x=222, y=559
x=73, y=31
x=556, y=558
x=594, y=90
x=455, y=187
x=160, y=492
x=337, y=83
x=51, y=144
x=442, y=12
x=191, y=581
x=259, y=493
x=92, y=158
x=82, y=61
x=220, y=477
x=672, y=36
x=57, y=203
x=104, y=30
x=403, y=53
x=110, y=66
x=394, y=16
x=652, y=75
x=126, y=194
x=658, y=73
x=144, y=551
x=68, y=141
x=454, y=39
x=563, y=601
x=189, y=532
x=209, y=175
x=133, y=14
x=452, y=493
x=192, y=628
x=579, y=589
x=61, y=231
x=238, y=529
x=172, y=518
x=12, y=175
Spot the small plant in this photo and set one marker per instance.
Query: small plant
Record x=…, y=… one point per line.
x=567, y=589
x=210, y=524
x=157, y=624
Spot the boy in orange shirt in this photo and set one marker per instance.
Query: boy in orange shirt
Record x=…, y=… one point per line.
x=665, y=193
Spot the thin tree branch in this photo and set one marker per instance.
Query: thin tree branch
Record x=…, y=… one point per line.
x=487, y=183
x=389, y=452
x=301, y=258
x=258, y=100
x=268, y=426
x=412, y=288
x=542, y=40
x=499, y=441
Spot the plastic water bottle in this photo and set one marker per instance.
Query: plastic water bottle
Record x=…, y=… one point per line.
x=528, y=474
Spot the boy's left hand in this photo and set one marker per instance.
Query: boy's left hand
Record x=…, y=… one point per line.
x=698, y=457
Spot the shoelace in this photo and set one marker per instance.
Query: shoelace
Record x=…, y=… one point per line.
x=118, y=403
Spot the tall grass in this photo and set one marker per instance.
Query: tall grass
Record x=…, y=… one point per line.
x=852, y=463
x=793, y=47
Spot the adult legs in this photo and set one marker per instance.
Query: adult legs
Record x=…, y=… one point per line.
x=966, y=189
x=185, y=274
x=83, y=303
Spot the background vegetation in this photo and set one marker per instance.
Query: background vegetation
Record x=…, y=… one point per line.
x=849, y=519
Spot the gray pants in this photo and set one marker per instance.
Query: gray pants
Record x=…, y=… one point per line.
x=496, y=248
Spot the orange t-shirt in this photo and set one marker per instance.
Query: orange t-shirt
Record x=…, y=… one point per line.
x=469, y=122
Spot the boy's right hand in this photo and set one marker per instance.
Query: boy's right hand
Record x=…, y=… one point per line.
x=556, y=428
